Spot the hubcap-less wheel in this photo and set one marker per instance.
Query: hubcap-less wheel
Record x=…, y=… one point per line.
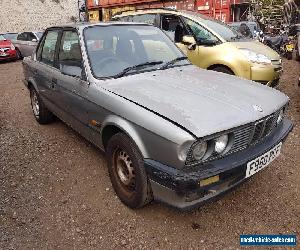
x=35, y=104
x=127, y=172
x=124, y=170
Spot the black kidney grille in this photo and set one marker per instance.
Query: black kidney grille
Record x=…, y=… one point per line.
x=264, y=127
x=258, y=130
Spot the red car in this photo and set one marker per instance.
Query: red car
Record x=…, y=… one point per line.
x=7, y=49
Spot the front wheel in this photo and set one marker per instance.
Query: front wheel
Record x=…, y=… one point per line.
x=223, y=70
x=298, y=52
x=127, y=172
x=40, y=111
x=289, y=55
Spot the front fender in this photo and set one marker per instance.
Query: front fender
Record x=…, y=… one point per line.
x=128, y=128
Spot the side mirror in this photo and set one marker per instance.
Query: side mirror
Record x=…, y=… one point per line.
x=34, y=40
x=190, y=41
x=74, y=71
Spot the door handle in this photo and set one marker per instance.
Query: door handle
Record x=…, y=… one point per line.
x=53, y=83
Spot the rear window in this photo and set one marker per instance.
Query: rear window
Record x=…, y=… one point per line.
x=143, y=18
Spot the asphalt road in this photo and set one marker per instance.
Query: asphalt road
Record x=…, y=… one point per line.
x=55, y=192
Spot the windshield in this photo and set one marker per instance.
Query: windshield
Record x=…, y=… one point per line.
x=2, y=38
x=10, y=36
x=115, y=49
x=222, y=29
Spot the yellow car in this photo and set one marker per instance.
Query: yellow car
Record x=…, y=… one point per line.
x=213, y=45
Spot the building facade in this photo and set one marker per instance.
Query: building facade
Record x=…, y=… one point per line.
x=17, y=16
x=224, y=10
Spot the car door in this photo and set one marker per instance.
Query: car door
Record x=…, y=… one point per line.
x=175, y=29
x=71, y=90
x=45, y=73
x=206, y=43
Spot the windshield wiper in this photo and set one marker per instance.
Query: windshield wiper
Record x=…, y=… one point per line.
x=174, y=61
x=124, y=71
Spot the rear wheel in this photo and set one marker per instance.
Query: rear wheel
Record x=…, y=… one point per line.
x=40, y=112
x=223, y=70
x=127, y=172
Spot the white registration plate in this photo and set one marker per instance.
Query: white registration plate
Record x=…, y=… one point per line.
x=262, y=161
x=3, y=54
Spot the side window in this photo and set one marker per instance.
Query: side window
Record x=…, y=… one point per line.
x=147, y=18
x=202, y=35
x=70, y=53
x=30, y=36
x=173, y=27
x=48, y=52
x=21, y=37
x=40, y=49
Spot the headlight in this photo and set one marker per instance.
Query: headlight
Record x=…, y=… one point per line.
x=221, y=143
x=199, y=150
x=12, y=47
x=255, y=57
x=280, y=116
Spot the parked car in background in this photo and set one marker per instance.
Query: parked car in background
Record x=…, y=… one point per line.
x=213, y=45
x=10, y=36
x=26, y=43
x=171, y=131
x=7, y=49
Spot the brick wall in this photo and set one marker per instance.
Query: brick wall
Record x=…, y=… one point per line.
x=21, y=15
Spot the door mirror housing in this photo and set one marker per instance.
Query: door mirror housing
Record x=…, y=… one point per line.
x=189, y=41
x=74, y=71
x=34, y=40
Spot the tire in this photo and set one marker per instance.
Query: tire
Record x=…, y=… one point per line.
x=298, y=53
x=19, y=54
x=40, y=111
x=127, y=172
x=289, y=55
x=223, y=70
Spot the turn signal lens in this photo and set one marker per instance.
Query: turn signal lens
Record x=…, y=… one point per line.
x=280, y=116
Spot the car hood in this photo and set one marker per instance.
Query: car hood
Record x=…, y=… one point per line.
x=5, y=43
x=202, y=101
x=257, y=47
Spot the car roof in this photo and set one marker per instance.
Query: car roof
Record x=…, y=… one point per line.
x=186, y=13
x=245, y=22
x=145, y=11
x=86, y=24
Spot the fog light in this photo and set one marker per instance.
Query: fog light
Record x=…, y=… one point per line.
x=221, y=143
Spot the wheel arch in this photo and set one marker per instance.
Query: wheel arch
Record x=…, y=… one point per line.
x=212, y=67
x=32, y=84
x=115, y=124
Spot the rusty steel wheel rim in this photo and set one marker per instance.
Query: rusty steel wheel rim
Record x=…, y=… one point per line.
x=124, y=170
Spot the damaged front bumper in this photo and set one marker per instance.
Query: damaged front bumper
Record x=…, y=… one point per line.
x=184, y=189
